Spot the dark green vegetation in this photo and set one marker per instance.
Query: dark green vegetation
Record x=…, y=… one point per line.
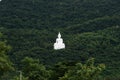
x=5, y=63
x=85, y=71
x=90, y=28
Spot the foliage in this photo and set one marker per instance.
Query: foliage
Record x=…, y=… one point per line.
x=18, y=78
x=87, y=71
x=34, y=70
x=42, y=14
x=5, y=63
x=90, y=28
x=60, y=69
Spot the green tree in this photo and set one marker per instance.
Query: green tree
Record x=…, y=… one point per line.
x=34, y=70
x=18, y=78
x=60, y=68
x=5, y=63
x=87, y=71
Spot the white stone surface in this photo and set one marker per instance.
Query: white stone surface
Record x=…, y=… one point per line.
x=59, y=43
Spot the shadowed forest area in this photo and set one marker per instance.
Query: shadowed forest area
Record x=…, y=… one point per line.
x=90, y=29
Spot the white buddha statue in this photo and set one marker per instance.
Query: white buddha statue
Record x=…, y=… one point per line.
x=59, y=43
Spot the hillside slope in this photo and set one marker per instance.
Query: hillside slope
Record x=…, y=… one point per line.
x=90, y=28
x=104, y=45
x=56, y=13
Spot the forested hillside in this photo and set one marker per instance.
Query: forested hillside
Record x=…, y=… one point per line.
x=57, y=13
x=90, y=28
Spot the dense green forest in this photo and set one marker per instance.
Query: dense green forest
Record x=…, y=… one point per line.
x=90, y=29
